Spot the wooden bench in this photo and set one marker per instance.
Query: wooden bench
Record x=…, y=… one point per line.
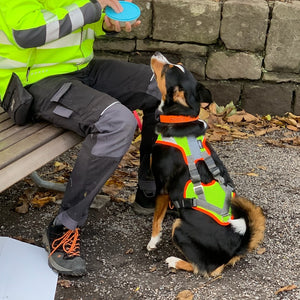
x=24, y=149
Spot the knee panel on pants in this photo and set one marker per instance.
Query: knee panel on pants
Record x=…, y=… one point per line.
x=113, y=131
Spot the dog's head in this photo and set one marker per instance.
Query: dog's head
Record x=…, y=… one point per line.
x=181, y=93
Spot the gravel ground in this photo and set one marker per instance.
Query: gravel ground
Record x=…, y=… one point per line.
x=114, y=239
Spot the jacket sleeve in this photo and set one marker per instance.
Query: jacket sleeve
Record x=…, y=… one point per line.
x=32, y=24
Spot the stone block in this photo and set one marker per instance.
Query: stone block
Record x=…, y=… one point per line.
x=196, y=65
x=165, y=47
x=244, y=24
x=283, y=43
x=224, y=92
x=263, y=99
x=114, y=44
x=233, y=65
x=186, y=20
x=144, y=30
x=281, y=77
x=107, y=55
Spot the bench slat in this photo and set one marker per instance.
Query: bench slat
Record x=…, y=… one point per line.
x=6, y=124
x=24, y=166
x=16, y=133
x=28, y=144
x=3, y=117
x=12, y=130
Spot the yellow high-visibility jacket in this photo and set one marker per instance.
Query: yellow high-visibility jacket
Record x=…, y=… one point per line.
x=40, y=38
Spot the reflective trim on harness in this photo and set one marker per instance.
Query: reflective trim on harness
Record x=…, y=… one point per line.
x=212, y=198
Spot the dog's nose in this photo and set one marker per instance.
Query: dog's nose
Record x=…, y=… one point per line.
x=160, y=57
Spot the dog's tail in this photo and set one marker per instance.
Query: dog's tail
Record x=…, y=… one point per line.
x=255, y=220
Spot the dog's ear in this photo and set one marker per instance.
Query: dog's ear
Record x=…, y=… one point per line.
x=203, y=94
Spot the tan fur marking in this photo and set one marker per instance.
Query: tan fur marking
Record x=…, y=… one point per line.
x=157, y=67
x=178, y=96
x=256, y=220
x=233, y=261
x=176, y=224
x=161, y=206
x=184, y=265
x=218, y=271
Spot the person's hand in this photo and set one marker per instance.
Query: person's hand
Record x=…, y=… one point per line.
x=112, y=25
x=114, y=4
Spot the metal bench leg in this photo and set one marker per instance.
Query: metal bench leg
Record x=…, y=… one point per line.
x=60, y=187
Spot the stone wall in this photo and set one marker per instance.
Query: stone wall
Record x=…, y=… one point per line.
x=245, y=51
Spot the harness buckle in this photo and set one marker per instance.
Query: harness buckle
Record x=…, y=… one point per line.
x=198, y=189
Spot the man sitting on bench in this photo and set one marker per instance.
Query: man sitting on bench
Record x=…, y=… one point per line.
x=46, y=51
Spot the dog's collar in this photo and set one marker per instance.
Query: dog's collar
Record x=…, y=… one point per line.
x=177, y=119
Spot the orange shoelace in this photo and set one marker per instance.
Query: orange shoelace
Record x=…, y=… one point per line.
x=69, y=243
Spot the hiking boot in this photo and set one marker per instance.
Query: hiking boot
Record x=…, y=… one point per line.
x=63, y=246
x=144, y=203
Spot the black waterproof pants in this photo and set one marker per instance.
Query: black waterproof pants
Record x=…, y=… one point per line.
x=97, y=103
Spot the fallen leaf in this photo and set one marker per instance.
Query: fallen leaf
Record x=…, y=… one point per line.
x=131, y=198
x=129, y=251
x=235, y=119
x=260, y=132
x=213, y=108
x=292, y=122
x=274, y=143
x=59, y=166
x=185, y=295
x=64, y=283
x=249, y=118
x=241, y=116
x=286, y=288
x=267, y=117
x=61, y=179
x=23, y=208
x=291, y=127
x=275, y=128
x=204, y=114
x=290, y=115
x=262, y=168
x=252, y=174
x=40, y=202
x=153, y=269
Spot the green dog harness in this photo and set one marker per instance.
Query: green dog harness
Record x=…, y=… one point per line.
x=212, y=198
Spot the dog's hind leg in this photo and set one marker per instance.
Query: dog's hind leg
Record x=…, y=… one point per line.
x=161, y=206
x=178, y=263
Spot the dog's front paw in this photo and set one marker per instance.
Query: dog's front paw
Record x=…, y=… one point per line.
x=171, y=261
x=153, y=242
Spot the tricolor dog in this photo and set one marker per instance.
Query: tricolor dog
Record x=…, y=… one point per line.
x=214, y=227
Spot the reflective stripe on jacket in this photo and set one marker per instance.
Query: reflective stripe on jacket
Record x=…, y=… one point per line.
x=40, y=38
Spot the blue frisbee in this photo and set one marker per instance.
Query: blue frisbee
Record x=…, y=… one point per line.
x=130, y=12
